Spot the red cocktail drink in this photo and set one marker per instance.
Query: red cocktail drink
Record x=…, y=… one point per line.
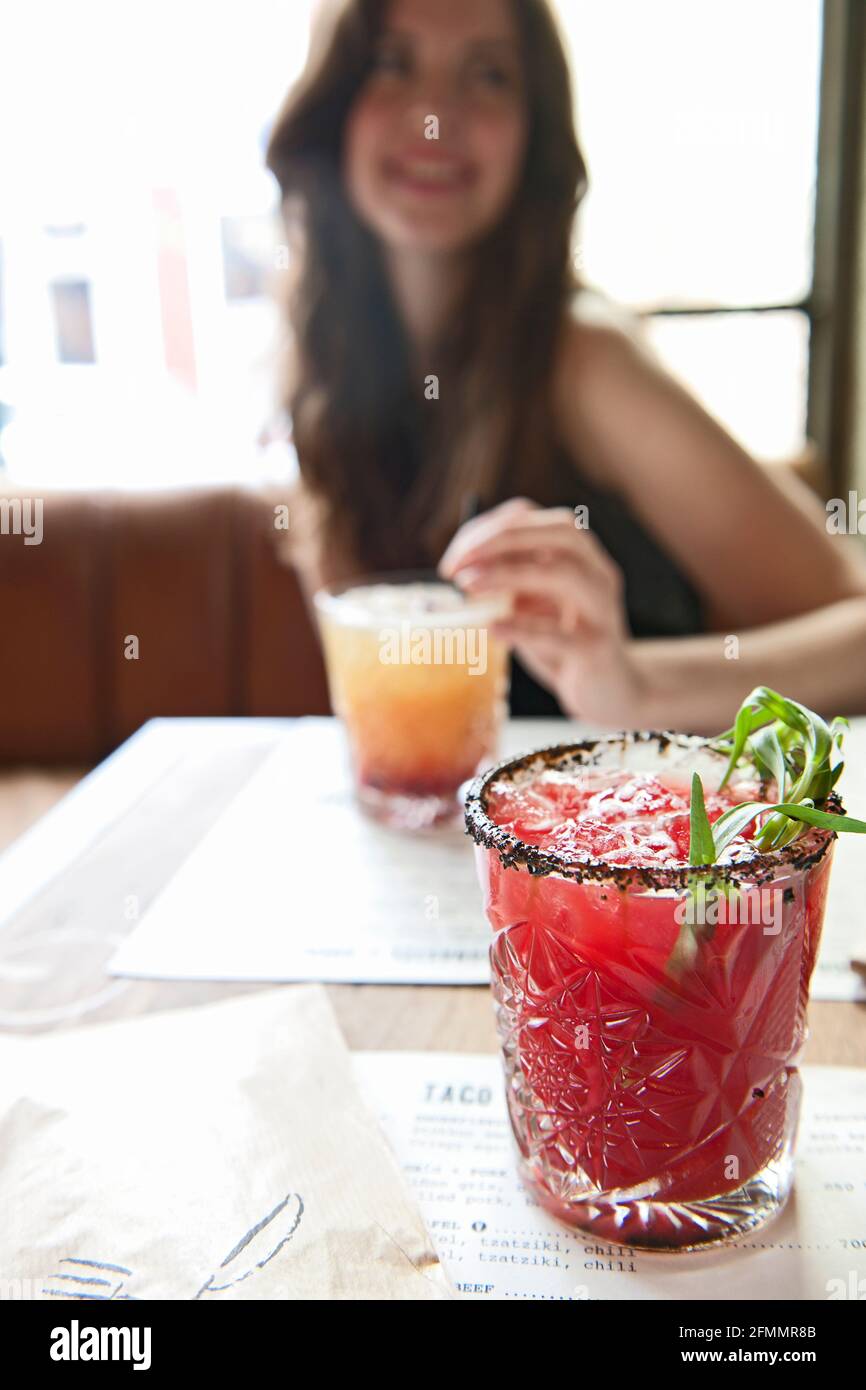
x=651, y=1015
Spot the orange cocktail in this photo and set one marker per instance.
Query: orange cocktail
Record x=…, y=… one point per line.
x=420, y=681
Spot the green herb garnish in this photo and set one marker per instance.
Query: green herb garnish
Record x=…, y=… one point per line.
x=795, y=748
x=702, y=849
x=801, y=755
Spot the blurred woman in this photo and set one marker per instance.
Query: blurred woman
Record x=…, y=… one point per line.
x=444, y=361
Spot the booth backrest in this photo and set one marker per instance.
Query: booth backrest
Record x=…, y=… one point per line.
x=199, y=578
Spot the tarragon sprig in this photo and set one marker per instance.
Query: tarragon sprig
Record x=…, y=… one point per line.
x=801, y=755
x=798, y=751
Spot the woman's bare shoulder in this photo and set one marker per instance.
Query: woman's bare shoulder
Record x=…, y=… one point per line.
x=598, y=337
x=602, y=355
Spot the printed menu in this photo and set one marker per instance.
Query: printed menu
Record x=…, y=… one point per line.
x=445, y=1117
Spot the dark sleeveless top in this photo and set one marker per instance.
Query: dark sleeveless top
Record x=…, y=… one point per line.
x=660, y=601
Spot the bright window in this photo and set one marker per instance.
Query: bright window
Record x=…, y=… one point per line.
x=699, y=124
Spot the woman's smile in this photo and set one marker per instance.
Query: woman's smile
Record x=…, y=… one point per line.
x=429, y=174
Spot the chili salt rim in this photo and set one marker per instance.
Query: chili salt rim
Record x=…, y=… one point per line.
x=516, y=853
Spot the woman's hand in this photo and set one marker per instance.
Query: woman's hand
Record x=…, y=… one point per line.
x=568, y=622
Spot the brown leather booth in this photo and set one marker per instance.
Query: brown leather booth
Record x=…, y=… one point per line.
x=200, y=578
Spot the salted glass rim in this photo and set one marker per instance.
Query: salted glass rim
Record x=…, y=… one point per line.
x=334, y=601
x=514, y=852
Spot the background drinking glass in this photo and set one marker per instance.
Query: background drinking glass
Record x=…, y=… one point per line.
x=420, y=682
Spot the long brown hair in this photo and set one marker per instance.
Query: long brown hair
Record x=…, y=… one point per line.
x=392, y=469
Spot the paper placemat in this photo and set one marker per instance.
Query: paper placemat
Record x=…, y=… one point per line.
x=445, y=1116
x=293, y=882
x=222, y=1152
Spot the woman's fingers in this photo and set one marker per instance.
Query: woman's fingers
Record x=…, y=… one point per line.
x=568, y=621
x=545, y=535
x=481, y=525
x=476, y=535
x=565, y=592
